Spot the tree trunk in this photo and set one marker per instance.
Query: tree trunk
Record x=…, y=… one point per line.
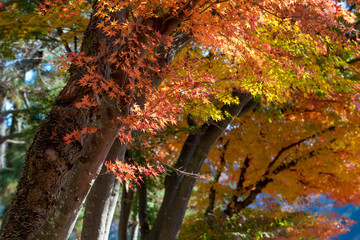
x=178, y=188
x=101, y=202
x=4, y=217
x=143, y=218
x=126, y=206
x=2, y=132
x=134, y=228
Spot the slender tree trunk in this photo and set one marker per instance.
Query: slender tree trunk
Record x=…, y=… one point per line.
x=143, y=218
x=178, y=188
x=126, y=205
x=4, y=217
x=134, y=228
x=101, y=202
x=2, y=132
x=212, y=195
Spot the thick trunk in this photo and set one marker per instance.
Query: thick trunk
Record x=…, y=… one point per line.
x=178, y=188
x=101, y=202
x=60, y=223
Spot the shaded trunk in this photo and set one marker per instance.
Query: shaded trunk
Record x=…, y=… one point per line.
x=126, y=205
x=134, y=228
x=219, y=171
x=101, y=202
x=143, y=218
x=4, y=217
x=178, y=188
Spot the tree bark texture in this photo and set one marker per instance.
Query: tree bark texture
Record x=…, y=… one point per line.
x=101, y=201
x=178, y=188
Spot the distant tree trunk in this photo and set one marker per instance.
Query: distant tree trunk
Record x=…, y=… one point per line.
x=210, y=209
x=4, y=217
x=101, y=202
x=143, y=218
x=178, y=188
x=134, y=228
x=125, y=210
x=2, y=131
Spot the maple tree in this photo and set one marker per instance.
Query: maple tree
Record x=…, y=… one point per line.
x=289, y=159
x=123, y=81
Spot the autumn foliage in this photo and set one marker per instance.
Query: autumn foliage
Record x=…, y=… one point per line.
x=272, y=49
x=292, y=58
x=285, y=53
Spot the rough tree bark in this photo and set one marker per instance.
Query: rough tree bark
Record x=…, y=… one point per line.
x=58, y=176
x=178, y=188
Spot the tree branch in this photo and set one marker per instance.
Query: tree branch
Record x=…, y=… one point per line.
x=243, y=170
x=266, y=177
x=15, y=111
x=284, y=149
x=15, y=142
x=193, y=154
x=4, y=139
x=353, y=61
x=212, y=194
